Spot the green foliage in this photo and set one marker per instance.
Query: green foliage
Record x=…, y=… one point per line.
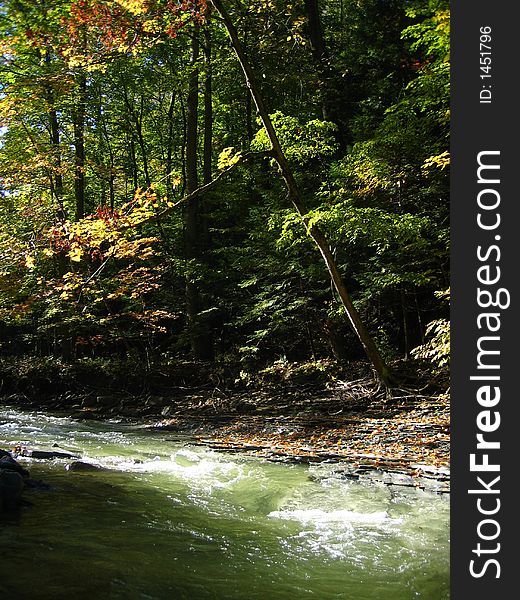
x=114, y=282
x=437, y=347
x=301, y=142
x=301, y=373
x=431, y=35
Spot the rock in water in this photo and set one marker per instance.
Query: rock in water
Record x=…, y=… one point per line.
x=42, y=454
x=79, y=465
x=11, y=486
x=8, y=463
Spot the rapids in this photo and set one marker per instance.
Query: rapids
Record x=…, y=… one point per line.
x=166, y=520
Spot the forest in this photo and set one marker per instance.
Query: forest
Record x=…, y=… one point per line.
x=241, y=185
x=224, y=299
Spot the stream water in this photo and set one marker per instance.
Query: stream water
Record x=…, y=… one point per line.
x=169, y=520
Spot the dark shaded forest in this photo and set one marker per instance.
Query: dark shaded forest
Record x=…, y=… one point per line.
x=223, y=193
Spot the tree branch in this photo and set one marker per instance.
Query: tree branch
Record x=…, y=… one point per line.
x=202, y=189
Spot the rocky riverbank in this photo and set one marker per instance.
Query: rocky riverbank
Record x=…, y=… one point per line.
x=403, y=440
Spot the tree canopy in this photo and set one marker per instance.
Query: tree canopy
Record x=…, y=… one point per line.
x=143, y=208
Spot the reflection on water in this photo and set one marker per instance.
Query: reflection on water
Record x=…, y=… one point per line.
x=167, y=520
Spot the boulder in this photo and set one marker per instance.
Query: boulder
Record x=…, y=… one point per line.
x=79, y=465
x=8, y=463
x=11, y=486
x=44, y=454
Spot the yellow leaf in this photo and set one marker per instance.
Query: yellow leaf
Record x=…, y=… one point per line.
x=136, y=7
x=29, y=262
x=227, y=158
x=75, y=254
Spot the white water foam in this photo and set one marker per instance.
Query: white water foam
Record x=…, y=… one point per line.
x=318, y=516
x=198, y=471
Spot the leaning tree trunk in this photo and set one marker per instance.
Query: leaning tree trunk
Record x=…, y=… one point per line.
x=296, y=199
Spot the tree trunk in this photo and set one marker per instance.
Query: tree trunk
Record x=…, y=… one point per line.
x=316, y=29
x=133, y=160
x=142, y=143
x=201, y=344
x=208, y=108
x=58, y=177
x=329, y=81
x=79, y=147
x=105, y=143
x=336, y=341
x=406, y=325
x=249, y=117
x=295, y=197
x=169, y=151
x=192, y=107
x=137, y=119
x=249, y=107
x=207, y=162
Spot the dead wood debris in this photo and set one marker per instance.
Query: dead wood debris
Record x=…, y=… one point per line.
x=354, y=423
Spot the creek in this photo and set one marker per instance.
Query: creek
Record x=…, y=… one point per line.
x=169, y=520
